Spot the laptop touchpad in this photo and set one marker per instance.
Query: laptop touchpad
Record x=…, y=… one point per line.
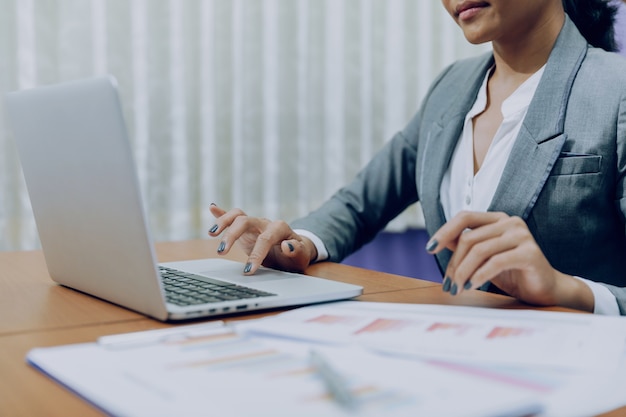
x=236, y=275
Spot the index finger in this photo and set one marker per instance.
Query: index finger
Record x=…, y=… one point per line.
x=223, y=218
x=448, y=234
x=216, y=211
x=274, y=234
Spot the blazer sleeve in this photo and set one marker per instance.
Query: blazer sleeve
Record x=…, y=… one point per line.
x=620, y=296
x=357, y=212
x=383, y=189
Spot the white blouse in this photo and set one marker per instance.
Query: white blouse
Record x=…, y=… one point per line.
x=461, y=189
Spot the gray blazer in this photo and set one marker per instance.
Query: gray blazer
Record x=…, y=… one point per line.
x=566, y=176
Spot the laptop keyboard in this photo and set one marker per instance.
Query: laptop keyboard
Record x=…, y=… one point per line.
x=184, y=289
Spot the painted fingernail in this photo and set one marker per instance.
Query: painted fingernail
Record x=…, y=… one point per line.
x=431, y=245
x=213, y=204
x=454, y=289
x=291, y=248
x=213, y=229
x=467, y=285
x=247, y=268
x=446, y=284
x=221, y=247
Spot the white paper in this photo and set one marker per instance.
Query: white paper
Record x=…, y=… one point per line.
x=477, y=335
x=231, y=375
x=398, y=359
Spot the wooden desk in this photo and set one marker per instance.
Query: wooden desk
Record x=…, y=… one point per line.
x=36, y=312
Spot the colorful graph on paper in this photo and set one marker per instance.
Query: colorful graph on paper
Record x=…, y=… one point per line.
x=333, y=319
x=231, y=353
x=384, y=325
x=445, y=332
x=509, y=332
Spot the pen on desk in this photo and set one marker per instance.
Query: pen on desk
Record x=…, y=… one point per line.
x=335, y=383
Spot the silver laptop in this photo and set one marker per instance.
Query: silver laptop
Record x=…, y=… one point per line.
x=83, y=187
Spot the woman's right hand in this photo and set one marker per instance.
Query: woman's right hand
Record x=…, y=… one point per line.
x=269, y=243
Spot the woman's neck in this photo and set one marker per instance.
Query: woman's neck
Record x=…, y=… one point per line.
x=520, y=57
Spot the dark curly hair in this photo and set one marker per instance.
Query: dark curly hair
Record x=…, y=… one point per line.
x=595, y=20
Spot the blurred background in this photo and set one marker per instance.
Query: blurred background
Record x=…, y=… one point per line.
x=267, y=105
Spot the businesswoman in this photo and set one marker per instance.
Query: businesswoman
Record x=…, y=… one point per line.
x=518, y=158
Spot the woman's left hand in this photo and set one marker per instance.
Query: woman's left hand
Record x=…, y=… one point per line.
x=499, y=248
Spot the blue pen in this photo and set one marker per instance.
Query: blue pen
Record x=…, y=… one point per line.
x=334, y=382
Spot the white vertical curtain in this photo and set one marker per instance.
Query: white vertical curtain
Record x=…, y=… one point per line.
x=267, y=105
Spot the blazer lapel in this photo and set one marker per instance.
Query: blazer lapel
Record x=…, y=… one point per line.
x=541, y=138
x=440, y=143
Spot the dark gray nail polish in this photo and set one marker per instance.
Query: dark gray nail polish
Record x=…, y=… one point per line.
x=454, y=289
x=247, y=268
x=467, y=285
x=431, y=245
x=221, y=247
x=446, y=284
x=291, y=248
x=213, y=229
